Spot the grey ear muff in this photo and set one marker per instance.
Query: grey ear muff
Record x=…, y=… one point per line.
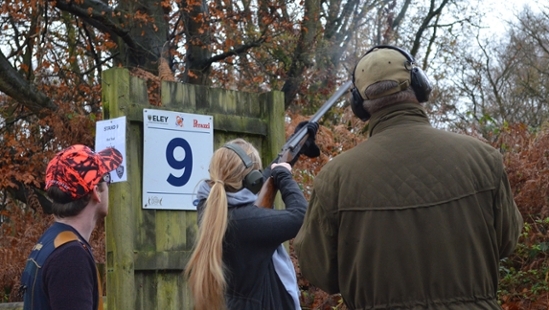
x=418, y=81
x=253, y=181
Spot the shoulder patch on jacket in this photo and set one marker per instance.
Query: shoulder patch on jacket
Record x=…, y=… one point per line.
x=64, y=237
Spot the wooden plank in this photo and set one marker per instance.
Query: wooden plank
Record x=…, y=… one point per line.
x=170, y=234
x=220, y=101
x=273, y=111
x=222, y=122
x=146, y=290
x=161, y=260
x=169, y=292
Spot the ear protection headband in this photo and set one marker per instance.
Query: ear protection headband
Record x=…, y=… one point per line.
x=418, y=81
x=254, y=179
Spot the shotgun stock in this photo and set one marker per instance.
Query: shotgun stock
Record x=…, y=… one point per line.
x=292, y=147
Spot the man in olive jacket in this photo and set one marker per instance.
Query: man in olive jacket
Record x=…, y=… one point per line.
x=414, y=217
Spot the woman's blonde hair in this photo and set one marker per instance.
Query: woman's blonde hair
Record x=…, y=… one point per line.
x=205, y=270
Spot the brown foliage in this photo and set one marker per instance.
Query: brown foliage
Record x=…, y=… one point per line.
x=524, y=283
x=20, y=231
x=527, y=161
x=23, y=158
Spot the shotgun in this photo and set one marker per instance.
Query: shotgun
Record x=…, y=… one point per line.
x=292, y=147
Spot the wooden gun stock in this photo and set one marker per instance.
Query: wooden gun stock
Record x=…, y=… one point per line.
x=292, y=147
x=267, y=194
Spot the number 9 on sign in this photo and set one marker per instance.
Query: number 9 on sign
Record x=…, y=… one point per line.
x=185, y=164
x=177, y=148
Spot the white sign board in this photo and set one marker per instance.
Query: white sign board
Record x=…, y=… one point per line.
x=177, y=149
x=112, y=133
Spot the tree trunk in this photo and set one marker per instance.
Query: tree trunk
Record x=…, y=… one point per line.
x=149, y=30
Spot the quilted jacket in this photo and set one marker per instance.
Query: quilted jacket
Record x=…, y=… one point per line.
x=413, y=218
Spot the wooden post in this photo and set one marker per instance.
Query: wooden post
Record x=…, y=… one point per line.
x=120, y=228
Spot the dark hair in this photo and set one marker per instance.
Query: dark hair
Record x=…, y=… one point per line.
x=375, y=105
x=63, y=205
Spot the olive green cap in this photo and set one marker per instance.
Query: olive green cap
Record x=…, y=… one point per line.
x=382, y=64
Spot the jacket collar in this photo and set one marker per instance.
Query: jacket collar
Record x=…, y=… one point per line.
x=401, y=113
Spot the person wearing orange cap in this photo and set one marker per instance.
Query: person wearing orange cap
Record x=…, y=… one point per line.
x=60, y=272
x=414, y=217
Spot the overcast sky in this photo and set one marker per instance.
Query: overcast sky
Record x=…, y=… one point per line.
x=499, y=12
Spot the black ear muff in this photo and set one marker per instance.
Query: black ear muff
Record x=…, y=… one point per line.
x=253, y=181
x=357, y=105
x=418, y=80
x=357, y=102
x=420, y=84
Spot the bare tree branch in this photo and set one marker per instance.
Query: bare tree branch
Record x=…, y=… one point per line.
x=424, y=25
x=15, y=86
x=238, y=50
x=22, y=193
x=98, y=14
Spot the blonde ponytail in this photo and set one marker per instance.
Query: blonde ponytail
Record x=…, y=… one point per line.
x=205, y=271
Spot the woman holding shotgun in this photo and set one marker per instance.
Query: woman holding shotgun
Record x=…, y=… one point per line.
x=238, y=261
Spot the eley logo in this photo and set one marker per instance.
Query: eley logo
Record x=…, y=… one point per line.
x=157, y=118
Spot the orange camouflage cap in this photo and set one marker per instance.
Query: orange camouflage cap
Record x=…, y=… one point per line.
x=77, y=169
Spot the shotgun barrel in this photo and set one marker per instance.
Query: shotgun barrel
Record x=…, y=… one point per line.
x=292, y=147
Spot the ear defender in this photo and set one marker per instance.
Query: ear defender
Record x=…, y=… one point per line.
x=357, y=106
x=253, y=181
x=420, y=84
x=418, y=81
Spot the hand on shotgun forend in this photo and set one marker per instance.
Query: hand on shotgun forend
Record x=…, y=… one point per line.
x=285, y=165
